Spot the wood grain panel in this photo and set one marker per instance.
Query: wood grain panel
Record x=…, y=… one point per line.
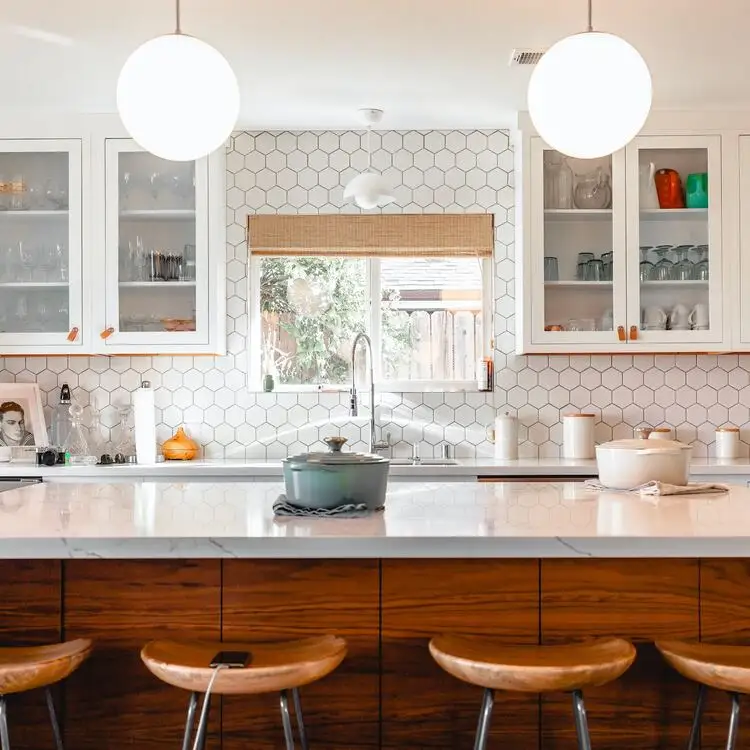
x=650, y=706
x=30, y=614
x=423, y=707
x=113, y=701
x=725, y=618
x=272, y=600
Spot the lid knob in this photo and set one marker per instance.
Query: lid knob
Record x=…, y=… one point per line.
x=335, y=444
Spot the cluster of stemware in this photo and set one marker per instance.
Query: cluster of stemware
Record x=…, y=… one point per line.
x=674, y=263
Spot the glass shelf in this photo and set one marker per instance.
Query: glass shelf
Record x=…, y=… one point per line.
x=156, y=284
x=674, y=214
x=578, y=214
x=34, y=284
x=34, y=213
x=159, y=214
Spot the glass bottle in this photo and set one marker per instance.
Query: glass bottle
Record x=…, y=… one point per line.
x=77, y=444
x=124, y=443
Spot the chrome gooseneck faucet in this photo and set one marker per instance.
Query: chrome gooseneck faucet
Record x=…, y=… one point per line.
x=353, y=404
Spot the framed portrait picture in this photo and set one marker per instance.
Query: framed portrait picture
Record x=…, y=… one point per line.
x=21, y=415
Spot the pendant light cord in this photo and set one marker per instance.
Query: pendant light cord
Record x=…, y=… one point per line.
x=369, y=147
x=178, y=27
x=590, y=26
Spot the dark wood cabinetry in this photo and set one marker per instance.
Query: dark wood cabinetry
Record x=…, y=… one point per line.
x=388, y=693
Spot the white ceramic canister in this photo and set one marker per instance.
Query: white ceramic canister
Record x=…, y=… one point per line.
x=506, y=437
x=661, y=433
x=727, y=442
x=578, y=436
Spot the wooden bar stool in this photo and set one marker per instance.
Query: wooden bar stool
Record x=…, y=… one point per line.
x=24, y=668
x=710, y=665
x=532, y=669
x=282, y=667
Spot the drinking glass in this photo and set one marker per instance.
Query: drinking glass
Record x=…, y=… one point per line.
x=55, y=195
x=18, y=193
x=139, y=259
x=580, y=271
x=126, y=183
x=683, y=270
x=4, y=193
x=550, y=269
x=702, y=266
x=607, y=259
x=47, y=260
x=585, y=257
x=594, y=271
x=646, y=271
x=663, y=269
x=155, y=181
x=29, y=256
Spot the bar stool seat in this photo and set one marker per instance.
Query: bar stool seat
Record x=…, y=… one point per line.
x=532, y=669
x=24, y=668
x=711, y=665
x=722, y=667
x=273, y=667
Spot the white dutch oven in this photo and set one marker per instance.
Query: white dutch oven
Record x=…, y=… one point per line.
x=624, y=464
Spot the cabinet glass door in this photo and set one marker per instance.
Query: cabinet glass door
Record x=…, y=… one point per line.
x=40, y=244
x=577, y=241
x=157, y=264
x=674, y=240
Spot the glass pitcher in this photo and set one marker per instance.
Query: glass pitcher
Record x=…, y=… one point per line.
x=558, y=185
x=591, y=191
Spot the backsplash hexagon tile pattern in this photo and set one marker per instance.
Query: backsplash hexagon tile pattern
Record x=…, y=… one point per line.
x=434, y=171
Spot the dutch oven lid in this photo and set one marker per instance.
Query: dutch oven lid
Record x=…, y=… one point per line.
x=336, y=456
x=636, y=444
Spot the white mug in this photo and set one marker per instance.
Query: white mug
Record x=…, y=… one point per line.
x=679, y=316
x=699, y=315
x=654, y=316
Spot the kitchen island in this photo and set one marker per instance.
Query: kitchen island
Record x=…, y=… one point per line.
x=525, y=563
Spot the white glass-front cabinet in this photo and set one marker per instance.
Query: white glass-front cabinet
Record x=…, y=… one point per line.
x=675, y=287
x=606, y=265
x=41, y=247
x=163, y=282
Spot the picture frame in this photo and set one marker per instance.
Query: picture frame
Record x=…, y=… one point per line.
x=29, y=428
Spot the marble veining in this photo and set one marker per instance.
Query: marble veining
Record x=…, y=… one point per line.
x=435, y=519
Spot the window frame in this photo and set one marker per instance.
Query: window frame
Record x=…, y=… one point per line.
x=372, y=328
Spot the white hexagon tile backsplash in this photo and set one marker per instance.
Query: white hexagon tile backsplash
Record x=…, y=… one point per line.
x=435, y=171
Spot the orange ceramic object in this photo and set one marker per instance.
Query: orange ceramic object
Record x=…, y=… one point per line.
x=669, y=189
x=179, y=447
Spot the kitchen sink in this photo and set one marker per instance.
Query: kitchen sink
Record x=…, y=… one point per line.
x=424, y=462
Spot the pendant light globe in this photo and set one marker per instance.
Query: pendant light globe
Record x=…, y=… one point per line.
x=590, y=94
x=178, y=97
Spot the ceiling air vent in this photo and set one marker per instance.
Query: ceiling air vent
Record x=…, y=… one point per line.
x=525, y=57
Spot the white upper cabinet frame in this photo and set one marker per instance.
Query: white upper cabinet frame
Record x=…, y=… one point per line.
x=74, y=339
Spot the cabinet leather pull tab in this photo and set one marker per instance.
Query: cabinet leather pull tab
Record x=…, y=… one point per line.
x=621, y=333
x=634, y=333
x=107, y=333
x=73, y=334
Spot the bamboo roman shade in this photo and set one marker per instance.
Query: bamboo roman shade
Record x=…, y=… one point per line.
x=381, y=235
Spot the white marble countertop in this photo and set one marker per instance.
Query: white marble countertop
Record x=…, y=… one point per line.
x=459, y=519
x=238, y=469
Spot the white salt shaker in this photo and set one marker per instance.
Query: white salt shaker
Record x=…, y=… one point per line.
x=506, y=437
x=727, y=442
x=578, y=436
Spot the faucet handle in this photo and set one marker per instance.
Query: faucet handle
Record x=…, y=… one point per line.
x=353, y=410
x=415, y=457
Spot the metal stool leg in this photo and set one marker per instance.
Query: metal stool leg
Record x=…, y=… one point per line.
x=582, y=724
x=286, y=720
x=485, y=716
x=300, y=720
x=4, y=741
x=200, y=738
x=734, y=721
x=53, y=719
x=695, y=730
x=192, y=705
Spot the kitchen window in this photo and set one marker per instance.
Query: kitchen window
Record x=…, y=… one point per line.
x=419, y=285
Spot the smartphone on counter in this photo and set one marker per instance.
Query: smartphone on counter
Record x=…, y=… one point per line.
x=232, y=659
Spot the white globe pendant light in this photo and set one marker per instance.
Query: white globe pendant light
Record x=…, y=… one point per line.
x=178, y=96
x=590, y=94
x=369, y=189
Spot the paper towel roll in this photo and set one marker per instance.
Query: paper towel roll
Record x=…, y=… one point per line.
x=144, y=418
x=506, y=437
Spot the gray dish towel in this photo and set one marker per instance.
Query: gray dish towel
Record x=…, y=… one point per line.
x=662, y=488
x=349, y=510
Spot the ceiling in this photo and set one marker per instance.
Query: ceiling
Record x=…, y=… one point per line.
x=310, y=64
